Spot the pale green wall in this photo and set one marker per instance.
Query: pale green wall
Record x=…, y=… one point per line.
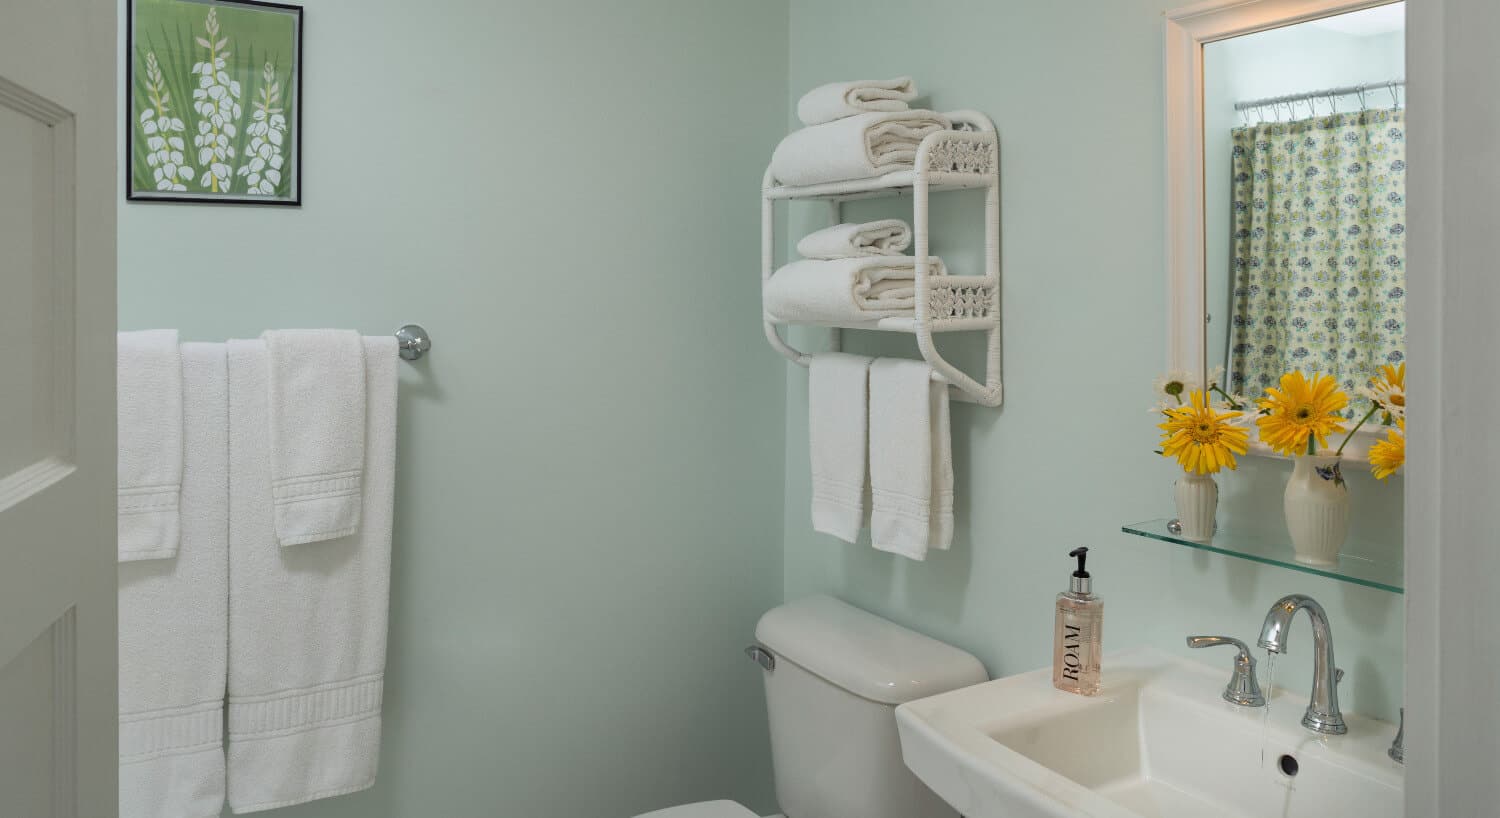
x=588, y=512
x=1075, y=90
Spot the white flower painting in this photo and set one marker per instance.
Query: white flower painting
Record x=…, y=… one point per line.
x=237, y=65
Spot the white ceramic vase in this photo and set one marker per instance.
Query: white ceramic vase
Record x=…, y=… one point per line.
x=1317, y=509
x=1197, y=501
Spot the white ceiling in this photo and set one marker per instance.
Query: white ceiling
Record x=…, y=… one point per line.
x=1378, y=20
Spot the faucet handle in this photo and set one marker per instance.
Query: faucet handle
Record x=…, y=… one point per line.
x=1243, y=688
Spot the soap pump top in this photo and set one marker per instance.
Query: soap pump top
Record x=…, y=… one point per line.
x=1080, y=583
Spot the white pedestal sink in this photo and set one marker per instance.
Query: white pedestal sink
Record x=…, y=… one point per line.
x=1157, y=742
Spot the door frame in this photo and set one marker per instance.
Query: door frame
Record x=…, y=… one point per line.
x=1453, y=457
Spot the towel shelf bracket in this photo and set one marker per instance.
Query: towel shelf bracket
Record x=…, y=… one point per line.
x=965, y=158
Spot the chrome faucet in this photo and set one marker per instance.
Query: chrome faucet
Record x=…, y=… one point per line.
x=1322, y=714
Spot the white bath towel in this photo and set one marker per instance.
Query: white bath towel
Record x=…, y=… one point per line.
x=837, y=412
x=149, y=465
x=837, y=100
x=317, y=386
x=173, y=621
x=887, y=237
x=911, y=460
x=307, y=626
x=844, y=290
x=856, y=147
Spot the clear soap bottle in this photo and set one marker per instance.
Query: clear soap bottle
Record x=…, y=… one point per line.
x=1077, y=639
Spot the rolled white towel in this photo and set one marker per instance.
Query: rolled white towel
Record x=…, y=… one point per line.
x=844, y=290
x=856, y=147
x=837, y=100
x=887, y=237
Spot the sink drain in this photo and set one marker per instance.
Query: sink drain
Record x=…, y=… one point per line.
x=1288, y=765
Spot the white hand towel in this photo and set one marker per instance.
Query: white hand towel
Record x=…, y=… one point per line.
x=149, y=468
x=838, y=410
x=317, y=387
x=844, y=290
x=887, y=237
x=911, y=459
x=837, y=100
x=307, y=626
x=856, y=147
x=174, y=615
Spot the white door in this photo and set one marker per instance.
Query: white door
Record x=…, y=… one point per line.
x=58, y=190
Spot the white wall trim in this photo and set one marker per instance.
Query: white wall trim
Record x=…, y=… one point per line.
x=1187, y=30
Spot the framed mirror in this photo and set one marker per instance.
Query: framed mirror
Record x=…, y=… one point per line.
x=1286, y=197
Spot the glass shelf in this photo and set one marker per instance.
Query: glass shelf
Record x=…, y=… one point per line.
x=1386, y=575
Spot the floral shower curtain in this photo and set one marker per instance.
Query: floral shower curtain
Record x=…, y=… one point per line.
x=1319, y=249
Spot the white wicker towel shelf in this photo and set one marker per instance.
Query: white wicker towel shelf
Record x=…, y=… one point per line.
x=965, y=158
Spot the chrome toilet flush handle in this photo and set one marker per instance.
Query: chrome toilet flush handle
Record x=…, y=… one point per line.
x=762, y=657
x=1243, y=688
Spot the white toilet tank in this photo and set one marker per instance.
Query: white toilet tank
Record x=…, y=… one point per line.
x=839, y=674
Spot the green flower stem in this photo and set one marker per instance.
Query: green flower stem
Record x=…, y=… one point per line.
x=1373, y=408
x=1233, y=404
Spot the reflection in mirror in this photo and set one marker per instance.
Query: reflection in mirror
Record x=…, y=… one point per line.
x=1305, y=197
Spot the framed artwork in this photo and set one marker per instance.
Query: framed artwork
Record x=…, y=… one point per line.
x=213, y=102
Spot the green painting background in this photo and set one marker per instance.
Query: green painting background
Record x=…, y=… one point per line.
x=257, y=35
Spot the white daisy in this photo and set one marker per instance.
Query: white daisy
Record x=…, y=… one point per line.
x=1247, y=412
x=1216, y=377
x=1171, y=390
x=1388, y=396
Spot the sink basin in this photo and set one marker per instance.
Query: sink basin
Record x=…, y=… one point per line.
x=1157, y=742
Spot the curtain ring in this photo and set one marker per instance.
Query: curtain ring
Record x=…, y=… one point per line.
x=1359, y=91
x=1395, y=100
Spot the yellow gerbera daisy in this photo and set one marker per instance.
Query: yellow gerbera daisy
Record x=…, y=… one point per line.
x=1388, y=455
x=1300, y=411
x=1202, y=438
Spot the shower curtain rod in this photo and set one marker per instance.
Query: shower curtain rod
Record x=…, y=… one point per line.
x=1327, y=92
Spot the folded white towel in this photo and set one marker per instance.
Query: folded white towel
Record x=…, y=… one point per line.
x=887, y=237
x=307, y=626
x=837, y=415
x=174, y=615
x=149, y=466
x=837, y=100
x=911, y=459
x=317, y=390
x=844, y=290
x=856, y=147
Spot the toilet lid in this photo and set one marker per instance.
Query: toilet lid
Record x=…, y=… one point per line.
x=703, y=809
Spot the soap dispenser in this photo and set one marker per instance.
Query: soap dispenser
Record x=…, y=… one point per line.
x=1080, y=622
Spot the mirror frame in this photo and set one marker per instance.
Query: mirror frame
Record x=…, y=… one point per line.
x=1188, y=29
